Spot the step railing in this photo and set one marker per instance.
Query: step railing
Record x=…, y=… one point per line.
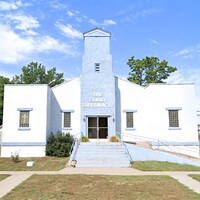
x=1, y=128
x=74, y=147
x=120, y=136
x=158, y=143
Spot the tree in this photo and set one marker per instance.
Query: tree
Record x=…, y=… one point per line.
x=149, y=70
x=3, y=81
x=35, y=73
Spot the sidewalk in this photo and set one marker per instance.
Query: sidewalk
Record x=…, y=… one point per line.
x=18, y=177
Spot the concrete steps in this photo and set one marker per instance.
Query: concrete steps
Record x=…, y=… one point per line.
x=93, y=154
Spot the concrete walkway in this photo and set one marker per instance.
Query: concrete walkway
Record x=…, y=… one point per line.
x=18, y=177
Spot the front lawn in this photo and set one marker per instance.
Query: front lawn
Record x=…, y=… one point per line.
x=162, y=166
x=40, y=164
x=3, y=176
x=81, y=187
x=195, y=176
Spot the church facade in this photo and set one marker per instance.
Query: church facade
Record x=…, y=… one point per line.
x=97, y=104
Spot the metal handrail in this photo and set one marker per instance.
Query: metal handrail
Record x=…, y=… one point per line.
x=160, y=142
x=127, y=152
x=123, y=144
x=1, y=127
x=74, y=146
x=76, y=138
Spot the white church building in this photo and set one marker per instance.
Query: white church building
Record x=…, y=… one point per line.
x=97, y=104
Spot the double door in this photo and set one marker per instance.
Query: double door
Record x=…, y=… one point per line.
x=97, y=127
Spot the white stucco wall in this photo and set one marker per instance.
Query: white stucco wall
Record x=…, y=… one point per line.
x=34, y=97
x=66, y=97
x=24, y=151
x=151, y=117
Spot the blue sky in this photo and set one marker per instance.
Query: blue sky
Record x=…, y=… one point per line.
x=50, y=32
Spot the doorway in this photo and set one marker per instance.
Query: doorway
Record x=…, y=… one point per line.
x=98, y=127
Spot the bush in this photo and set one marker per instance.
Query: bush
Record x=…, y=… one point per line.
x=15, y=157
x=114, y=139
x=59, y=145
x=84, y=139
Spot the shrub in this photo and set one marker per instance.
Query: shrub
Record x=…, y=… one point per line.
x=114, y=139
x=59, y=145
x=15, y=157
x=84, y=139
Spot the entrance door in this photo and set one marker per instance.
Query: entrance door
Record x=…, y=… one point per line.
x=97, y=127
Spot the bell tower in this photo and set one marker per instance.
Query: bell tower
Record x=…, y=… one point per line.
x=97, y=83
x=97, y=58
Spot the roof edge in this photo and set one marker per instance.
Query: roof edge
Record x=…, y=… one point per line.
x=107, y=32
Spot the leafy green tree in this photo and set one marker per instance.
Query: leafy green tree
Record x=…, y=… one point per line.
x=3, y=81
x=35, y=73
x=149, y=70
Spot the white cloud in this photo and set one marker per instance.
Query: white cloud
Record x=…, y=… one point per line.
x=5, y=5
x=47, y=43
x=57, y=5
x=106, y=22
x=146, y=13
x=175, y=78
x=188, y=52
x=78, y=17
x=23, y=22
x=185, y=76
x=93, y=22
x=185, y=53
x=15, y=48
x=70, y=13
x=142, y=14
x=152, y=41
x=69, y=31
x=30, y=33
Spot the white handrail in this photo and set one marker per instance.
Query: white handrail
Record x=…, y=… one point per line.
x=1, y=127
x=120, y=136
x=74, y=146
x=160, y=143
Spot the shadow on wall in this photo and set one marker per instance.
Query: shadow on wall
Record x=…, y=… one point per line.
x=117, y=107
x=56, y=115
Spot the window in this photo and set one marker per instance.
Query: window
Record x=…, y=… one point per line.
x=129, y=120
x=97, y=67
x=24, y=119
x=67, y=119
x=173, y=118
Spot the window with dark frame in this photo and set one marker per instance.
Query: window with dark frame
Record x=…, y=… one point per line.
x=24, y=119
x=97, y=67
x=173, y=118
x=67, y=119
x=129, y=120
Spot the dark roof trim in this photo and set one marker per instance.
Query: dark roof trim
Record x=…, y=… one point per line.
x=96, y=29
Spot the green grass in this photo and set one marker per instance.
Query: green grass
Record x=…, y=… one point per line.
x=3, y=176
x=41, y=164
x=162, y=166
x=89, y=187
x=195, y=176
